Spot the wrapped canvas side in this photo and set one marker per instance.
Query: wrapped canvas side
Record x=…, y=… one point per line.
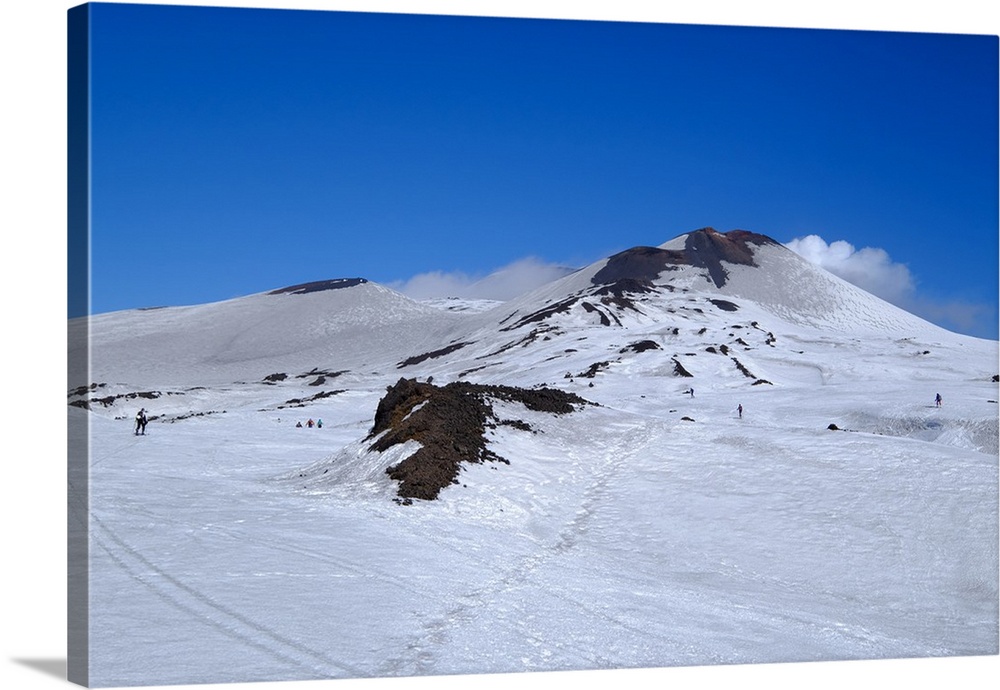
x=78, y=347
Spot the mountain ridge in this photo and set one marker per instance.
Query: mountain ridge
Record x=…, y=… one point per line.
x=684, y=293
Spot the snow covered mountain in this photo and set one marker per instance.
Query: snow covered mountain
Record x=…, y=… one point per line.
x=709, y=451
x=686, y=292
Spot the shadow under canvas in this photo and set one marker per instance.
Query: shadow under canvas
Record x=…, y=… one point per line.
x=50, y=667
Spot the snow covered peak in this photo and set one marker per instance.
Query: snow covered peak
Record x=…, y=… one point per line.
x=683, y=295
x=741, y=266
x=350, y=321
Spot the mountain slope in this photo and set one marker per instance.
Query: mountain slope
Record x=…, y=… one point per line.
x=250, y=337
x=706, y=310
x=841, y=515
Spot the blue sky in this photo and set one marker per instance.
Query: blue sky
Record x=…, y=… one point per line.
x=240, y=150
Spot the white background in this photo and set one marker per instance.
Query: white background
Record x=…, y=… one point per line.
x=32, y=199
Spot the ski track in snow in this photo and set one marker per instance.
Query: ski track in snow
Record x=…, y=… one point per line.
x=203, y=609
x=444, y=627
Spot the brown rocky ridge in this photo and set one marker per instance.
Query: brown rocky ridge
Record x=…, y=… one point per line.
x=450, y=422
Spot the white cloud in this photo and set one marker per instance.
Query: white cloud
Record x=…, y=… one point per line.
x=871, y=269
x=434, y=285
x=505, y=283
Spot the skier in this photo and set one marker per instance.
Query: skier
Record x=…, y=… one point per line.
x=740, y=410
x=298, y=425
x=140, y=422
x=937, y=400
x=319, y=423
x=691, y=391
x=310, y=423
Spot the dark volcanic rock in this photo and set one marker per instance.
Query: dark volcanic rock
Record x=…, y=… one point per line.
x=321, y=372
x=302, y=402
x=450, y=423
x=626, y=286
x=431, y=355
x=542, y=314
x=705, y=248
x=84, y=390
x=619, y=293
x=594, y=369
x=616, y=294
x=709, y=249
x=641, y=346
x=642, y=264
x=110, y=400
x=679, y=369
x=724, y=305
x=605, y=321
x=743, y=369
x=319, y=286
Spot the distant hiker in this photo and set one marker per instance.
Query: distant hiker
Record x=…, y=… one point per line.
x=310, y=423
x=319, y=423
x=937, y=400
x=140, y=422
x=691, y=392
x=298, y=425
x=740, y=410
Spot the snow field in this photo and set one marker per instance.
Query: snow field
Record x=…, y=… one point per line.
x=613, y=539
x=652, y=529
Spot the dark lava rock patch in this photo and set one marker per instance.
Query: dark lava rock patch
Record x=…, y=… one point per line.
x=302, y=402
x=626, y=286
x=189, y=415
x=325, y=373
x=594, y=370
x=84, y=390
x=743, y=369
x=542, y=332
x=319, y=286
x=679, y=369
x=450, y=423
x=724, y=305
x=616, y=293
x=642, y=264
x=641, y=346
x=320, y=376
x=604, y=316
x=431, y=355
x=709, y=249
x=550, y=310
x=110, y=400
x=619, y=293
x=706, y=248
